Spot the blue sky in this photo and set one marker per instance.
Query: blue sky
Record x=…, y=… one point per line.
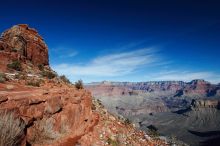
x=125, y=40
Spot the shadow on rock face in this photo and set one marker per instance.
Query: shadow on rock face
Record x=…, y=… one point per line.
x=205, y=134
x=213, y=137
x=211, y=142
x=182, y=111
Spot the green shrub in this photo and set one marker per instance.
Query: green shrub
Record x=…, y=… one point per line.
x=79, y=84
x=99, y=101
x=14, y=50
x=41, y=67
x=16, y=65
x=21, y=76
x=11, y=129
x=48, y=74
x=17, y=76
x=2, y=77
x=65, y=79
x=127, y=121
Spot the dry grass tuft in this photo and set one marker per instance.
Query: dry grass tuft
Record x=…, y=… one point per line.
x=2, y=77
x=11, y=129
x=44, y=131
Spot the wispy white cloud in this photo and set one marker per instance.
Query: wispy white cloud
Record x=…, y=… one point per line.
x=66, y=52
x=185, y=76
x=113, y=64
x=127, y=64
x=69, y=54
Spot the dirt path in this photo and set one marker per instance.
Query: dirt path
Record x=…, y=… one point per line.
x=30, y=92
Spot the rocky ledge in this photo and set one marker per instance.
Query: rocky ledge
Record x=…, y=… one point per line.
x=59, y=115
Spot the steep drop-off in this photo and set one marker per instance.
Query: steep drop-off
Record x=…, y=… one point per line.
x=184, y=110
x=40, y=108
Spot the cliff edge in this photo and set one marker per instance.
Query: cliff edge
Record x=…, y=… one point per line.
x=40, y=108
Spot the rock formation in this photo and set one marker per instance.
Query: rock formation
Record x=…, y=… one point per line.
x=39, y=108
x=24, y=44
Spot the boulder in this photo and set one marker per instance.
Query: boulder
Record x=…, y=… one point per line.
x=53, y=105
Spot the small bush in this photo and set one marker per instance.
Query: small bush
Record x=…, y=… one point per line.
x=34, y=83
x=152, y=131
x=48, y=74
x=127, y=121
x=17, y=76
x=2, y=77
x=11, y=129
x=65, y=79
x=14, y=50
x=173, y=140
x=79, y=84
x=99, y=102
x=41, y=67
x=16, y=65
x=21, y=76
x=44, y=130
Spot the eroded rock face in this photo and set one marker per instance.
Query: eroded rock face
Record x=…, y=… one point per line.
x=198, y=88
x=53, y=118
x=132, y=99
x=26, y=42
x=205, y=103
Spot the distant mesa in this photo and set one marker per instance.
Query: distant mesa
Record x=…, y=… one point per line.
x=194, y=88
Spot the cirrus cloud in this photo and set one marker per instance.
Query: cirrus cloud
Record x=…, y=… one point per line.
x=129, y=63
x=113, y=64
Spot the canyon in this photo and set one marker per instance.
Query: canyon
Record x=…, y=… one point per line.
x=188, y=111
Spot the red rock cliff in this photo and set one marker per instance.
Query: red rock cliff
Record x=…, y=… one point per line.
x=22, y=42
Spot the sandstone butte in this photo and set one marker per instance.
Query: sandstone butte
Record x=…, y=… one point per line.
x=47, y=109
